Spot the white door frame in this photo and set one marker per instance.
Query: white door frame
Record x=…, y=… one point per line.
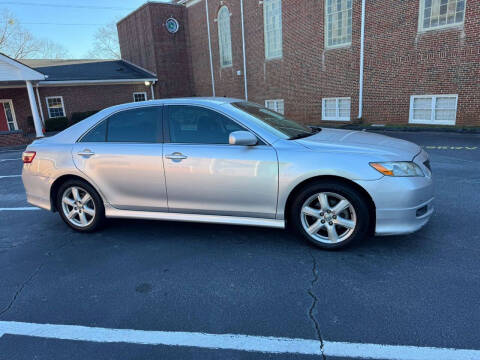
x=13, y=112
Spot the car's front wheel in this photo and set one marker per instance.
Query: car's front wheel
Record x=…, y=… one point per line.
x=330, y=215
x=80, y=206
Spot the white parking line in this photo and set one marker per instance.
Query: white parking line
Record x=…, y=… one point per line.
x=20, y=208
x=2, y=160
x=9, y=176
x=262, y=344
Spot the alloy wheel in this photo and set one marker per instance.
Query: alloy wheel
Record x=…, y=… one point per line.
x=78, y=206
x=328, y=217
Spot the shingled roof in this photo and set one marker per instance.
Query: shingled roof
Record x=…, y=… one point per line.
x=88, y=70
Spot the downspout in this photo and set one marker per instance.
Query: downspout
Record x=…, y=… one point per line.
x=210, y=48
x=244, y=55
x=362, y=49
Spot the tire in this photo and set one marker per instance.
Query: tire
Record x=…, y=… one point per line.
x=81, y=212
x=316, y=215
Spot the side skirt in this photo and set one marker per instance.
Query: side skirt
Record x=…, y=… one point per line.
x=111, y=212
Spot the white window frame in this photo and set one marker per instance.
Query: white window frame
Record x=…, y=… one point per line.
x=421, y=10
x=275, y=103
x=270, y=52
x=337, y=117
x=48, y=107
x=336, y=46
x=10, y=102
x=140, y=92
x=225, y=48
x=432, y=120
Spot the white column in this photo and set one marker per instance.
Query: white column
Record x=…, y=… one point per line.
x=151, y=89
x=33, y=106
x=40, y=105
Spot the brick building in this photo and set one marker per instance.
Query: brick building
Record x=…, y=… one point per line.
x=421, y=59
x=32, y=92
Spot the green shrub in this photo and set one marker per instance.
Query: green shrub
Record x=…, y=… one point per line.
x=56, y=124
x=79, y=116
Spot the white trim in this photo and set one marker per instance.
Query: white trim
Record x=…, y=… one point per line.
x=432, y=121
x=48, y=107
x=10, y=101
x=140, y=92
x=89, y=82
x=337, y=109
x=421, y=29
x=25, y=72
x=243, y=51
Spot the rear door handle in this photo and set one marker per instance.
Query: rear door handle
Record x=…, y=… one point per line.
x=86, y=152
x=176, y=156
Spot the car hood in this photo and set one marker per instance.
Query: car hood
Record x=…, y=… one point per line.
x=361, y=142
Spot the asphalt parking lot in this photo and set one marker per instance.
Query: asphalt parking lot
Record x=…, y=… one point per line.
x=420, y=290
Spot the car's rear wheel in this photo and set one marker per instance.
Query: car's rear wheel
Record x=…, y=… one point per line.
x=80, y=206
x=330, y=215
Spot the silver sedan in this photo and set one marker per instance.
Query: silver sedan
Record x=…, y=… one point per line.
x=228, y=161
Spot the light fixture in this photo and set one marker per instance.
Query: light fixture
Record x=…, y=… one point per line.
x=147, y=83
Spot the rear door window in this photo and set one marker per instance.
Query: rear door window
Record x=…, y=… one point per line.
x=138, y=125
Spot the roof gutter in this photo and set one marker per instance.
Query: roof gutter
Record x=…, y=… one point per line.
x=92, y=82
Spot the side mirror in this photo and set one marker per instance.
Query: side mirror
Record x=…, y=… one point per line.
x=244, y=138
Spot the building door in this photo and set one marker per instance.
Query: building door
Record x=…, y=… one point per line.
x=7, y=116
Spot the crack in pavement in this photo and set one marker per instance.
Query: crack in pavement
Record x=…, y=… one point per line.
x=30, y=278
x=314, y=305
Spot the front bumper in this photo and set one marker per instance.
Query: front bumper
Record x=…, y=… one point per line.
x=403, y=204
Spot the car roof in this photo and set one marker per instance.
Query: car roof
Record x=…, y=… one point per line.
x=195, y=100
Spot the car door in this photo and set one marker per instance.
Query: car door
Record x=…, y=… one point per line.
x=206, y=175
x=122, y=155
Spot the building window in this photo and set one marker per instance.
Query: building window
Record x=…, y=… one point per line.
x=276, y=105
x=224, y=37
x=433, y=109
x=139, y=96
x=338, y=23
x=436, y=14
x=55, y=107
x=272, y=17
x=337, y=109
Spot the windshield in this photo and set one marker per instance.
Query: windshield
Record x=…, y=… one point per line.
x=274, y=121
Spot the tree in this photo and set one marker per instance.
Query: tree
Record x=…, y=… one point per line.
x=105, y=44
x=19, y=43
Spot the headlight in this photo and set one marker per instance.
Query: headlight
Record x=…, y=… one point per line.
x=398, y=168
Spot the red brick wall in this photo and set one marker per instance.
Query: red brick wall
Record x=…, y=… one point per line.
x=145, y=41
x=399, y=61
x=21, y=106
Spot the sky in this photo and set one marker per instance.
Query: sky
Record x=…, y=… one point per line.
x=71, y=23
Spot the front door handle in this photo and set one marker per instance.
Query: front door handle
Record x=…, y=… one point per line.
x=86, y=152
x=176, y=156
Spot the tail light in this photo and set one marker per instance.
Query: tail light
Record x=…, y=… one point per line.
x=28, y=156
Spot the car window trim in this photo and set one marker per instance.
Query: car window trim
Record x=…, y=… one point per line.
x=166, y=126
x=160, y=137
